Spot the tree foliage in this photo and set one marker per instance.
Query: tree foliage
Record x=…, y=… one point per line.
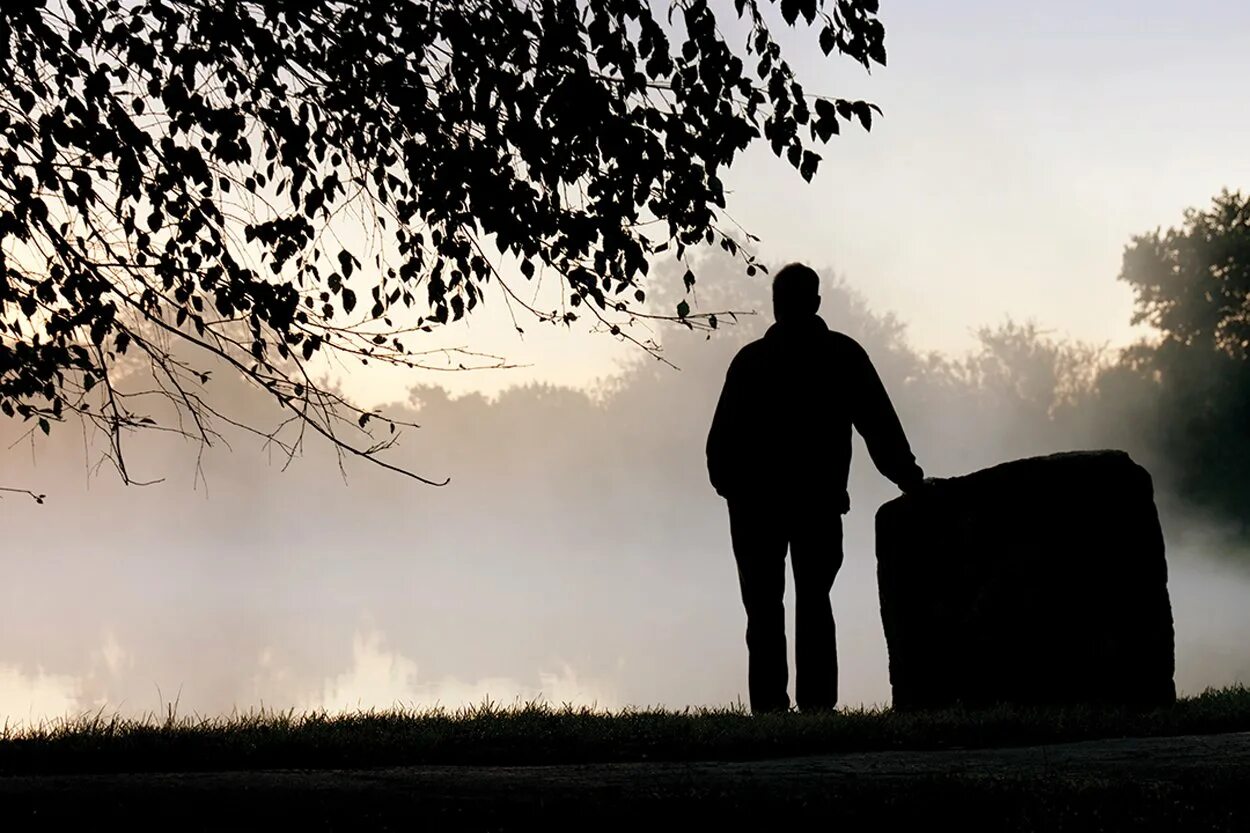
x=266, y=181
x=1191, y=284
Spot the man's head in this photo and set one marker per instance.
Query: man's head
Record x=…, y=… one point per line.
x=796, y=293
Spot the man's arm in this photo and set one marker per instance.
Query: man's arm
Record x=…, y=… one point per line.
x=874, y=417
x=723, y=437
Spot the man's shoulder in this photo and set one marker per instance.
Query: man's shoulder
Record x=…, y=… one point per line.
x=763, y=351
x=842, y=339
x=749, y=353
x=845, y=345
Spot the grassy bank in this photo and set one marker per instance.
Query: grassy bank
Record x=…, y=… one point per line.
x=541, y=734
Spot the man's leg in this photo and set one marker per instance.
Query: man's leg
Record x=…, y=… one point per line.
x=816, y=555
x=759, y=545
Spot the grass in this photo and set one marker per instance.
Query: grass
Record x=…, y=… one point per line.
x=536, y=733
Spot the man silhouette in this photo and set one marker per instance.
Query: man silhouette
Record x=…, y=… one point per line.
x=779, y=451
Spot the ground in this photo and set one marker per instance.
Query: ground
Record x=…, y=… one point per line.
x=1189, y=783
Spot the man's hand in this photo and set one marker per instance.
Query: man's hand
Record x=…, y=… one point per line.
x=919, y=485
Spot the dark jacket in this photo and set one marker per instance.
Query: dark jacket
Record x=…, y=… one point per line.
x=783, y=422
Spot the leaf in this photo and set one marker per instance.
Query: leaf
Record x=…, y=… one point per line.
x=809, y=164
x=864, y=111
x=349, y=300
x=827, y=40
x=826, y=123
x=683, y=309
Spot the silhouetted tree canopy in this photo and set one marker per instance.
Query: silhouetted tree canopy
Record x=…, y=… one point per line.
x=1191, y=284
x=270, y=180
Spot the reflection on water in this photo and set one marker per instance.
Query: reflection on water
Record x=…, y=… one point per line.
x=377, y=678
x=1208, y=602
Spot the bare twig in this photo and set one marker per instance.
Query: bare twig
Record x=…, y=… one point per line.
x=38, y=498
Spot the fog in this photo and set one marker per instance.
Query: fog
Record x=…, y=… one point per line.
x=577, y=555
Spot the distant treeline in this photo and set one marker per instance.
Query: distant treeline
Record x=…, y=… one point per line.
x=1179, y=400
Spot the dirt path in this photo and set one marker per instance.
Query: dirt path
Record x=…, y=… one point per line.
x=1181, y=783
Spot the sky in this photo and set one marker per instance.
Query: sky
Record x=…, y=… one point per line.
x=1022, y=146
x=579, y=554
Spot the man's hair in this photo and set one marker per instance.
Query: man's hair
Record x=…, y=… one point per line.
x=795, y=286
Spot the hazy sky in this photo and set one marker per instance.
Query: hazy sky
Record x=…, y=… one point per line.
x=579, y=552
x=1022, y=146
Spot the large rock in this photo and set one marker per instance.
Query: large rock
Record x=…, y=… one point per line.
x=1035, y=581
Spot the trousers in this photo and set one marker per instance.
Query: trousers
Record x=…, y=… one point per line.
x=761, y=531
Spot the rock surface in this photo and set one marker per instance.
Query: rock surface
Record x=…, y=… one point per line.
x=1036, y=581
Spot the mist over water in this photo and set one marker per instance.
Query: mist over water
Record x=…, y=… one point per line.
x=578, y=555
